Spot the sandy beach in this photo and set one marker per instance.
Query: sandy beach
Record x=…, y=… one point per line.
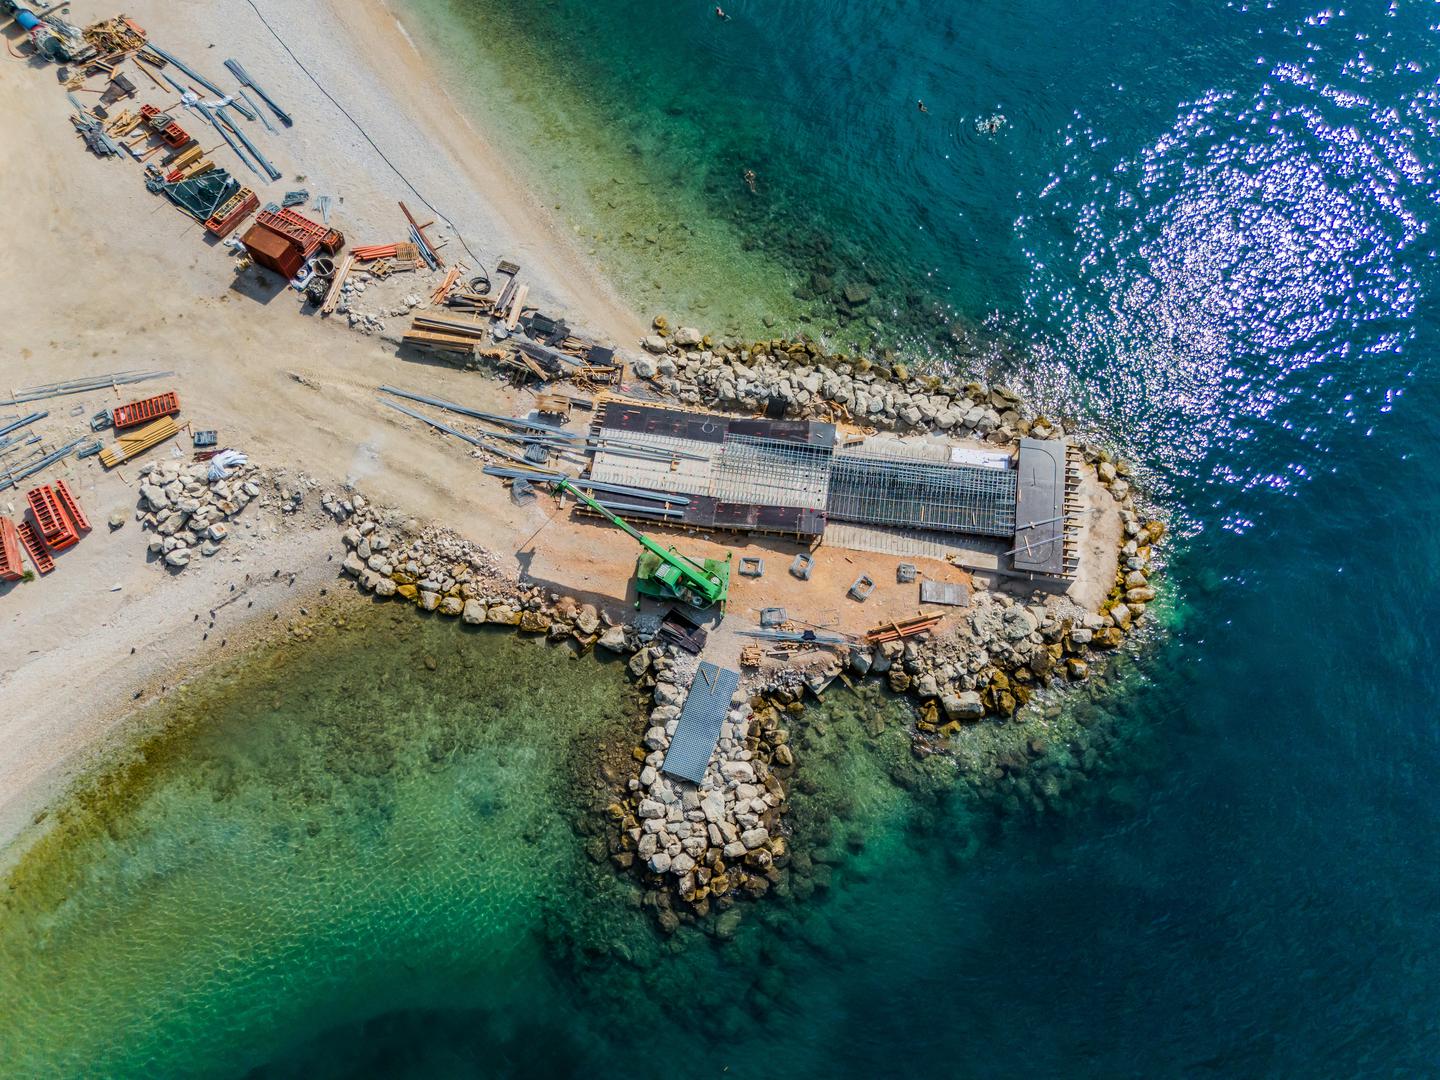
x=116, y=279
x=113, y=278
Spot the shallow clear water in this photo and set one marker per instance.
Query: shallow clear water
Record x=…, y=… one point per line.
x=1210, y=229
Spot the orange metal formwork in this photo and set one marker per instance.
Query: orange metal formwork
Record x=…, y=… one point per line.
x=224, y=220
x=35, y=548
x=71, y=506
x=11, y=568
x=143, y=411
x=310, y=235
x=51, y=519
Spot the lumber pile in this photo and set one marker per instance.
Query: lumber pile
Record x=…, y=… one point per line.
x=446, y=333
x=132, y=443
x=471, y=301
x=443, y=289
x=905, y=628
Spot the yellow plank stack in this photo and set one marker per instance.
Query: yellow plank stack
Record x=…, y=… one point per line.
x=138, y=441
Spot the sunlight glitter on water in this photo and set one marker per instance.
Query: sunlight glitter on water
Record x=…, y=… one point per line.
x=1268, y=233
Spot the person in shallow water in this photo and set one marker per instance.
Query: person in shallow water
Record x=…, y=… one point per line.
x=750, y=181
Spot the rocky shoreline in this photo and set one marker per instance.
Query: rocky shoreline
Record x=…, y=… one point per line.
x=698, y=849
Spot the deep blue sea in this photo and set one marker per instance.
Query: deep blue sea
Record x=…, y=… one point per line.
x=1208, y=230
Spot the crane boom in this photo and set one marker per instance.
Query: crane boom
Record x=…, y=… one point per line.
x=706, y=586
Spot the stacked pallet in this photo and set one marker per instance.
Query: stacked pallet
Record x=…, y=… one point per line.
x=136, y=442
x=53, y=523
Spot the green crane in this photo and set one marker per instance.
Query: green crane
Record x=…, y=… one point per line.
x=663, y=572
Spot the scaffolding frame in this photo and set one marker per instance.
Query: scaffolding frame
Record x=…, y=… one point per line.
x=874, y=490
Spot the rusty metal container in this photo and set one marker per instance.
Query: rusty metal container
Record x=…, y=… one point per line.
x=270, y=249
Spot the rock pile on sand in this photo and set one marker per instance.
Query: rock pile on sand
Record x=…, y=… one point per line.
x=188, y=512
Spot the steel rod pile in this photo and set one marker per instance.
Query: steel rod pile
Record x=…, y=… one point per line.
x=585, y=485
x=24, y=421
x=804, y=636
x=243, y=78
x=81, y=386
x=12, y=478
x=498, y=451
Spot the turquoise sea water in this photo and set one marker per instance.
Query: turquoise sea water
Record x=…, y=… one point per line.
x=1210, y=229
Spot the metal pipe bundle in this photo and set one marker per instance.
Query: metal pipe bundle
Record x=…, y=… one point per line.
x=198, y=78
x=243, y=77
x=82, y=386
x=270, y=170
x=23, y=422
x=14, y=478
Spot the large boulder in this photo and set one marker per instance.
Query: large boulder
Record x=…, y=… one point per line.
x=688, y=337
x=962, y=705
x=613, y=639
x=587, y=619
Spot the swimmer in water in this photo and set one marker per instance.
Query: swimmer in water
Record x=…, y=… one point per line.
x=720, y=13
x=750, y=181
x=923, y=107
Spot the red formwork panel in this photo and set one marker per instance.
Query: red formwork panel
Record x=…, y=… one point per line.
x=71, y=506
x=35, y=548
x=172, y=134
x=310, y=235
x=224, y=220
x=54, y=526
x=11, y=568
x=146, y=409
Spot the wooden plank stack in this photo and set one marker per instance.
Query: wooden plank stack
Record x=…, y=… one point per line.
x=138, y=441
x=905, y=628
x=446, y=333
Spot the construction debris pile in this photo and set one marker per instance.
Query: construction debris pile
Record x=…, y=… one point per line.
x=189, y=506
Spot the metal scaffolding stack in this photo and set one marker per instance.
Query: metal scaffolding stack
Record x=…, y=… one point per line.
x=969, y=499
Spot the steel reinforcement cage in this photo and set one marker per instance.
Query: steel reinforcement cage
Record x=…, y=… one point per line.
x=875, y=490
